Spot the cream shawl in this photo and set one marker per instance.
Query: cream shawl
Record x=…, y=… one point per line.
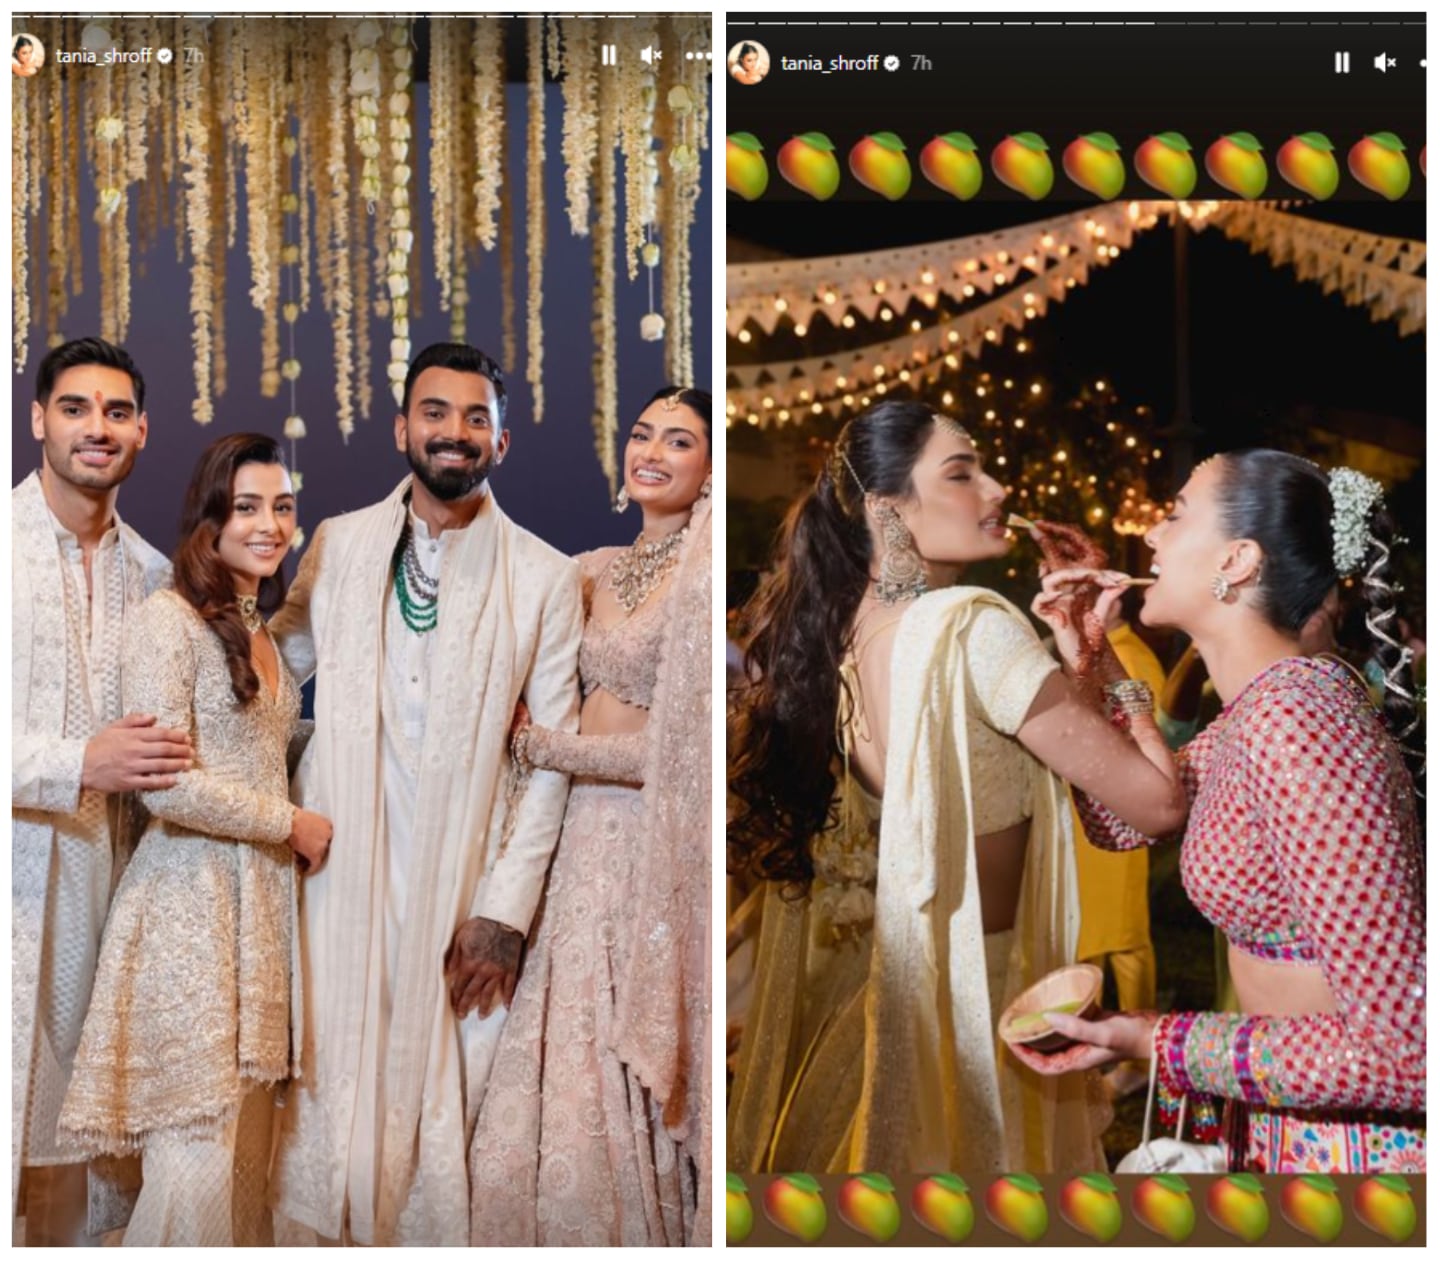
x=939, y=1092
x=510, y=619
x=45, y=758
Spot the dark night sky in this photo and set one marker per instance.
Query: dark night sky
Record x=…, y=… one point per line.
x=551, y=482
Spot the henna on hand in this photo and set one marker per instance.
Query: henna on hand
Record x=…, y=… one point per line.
x=1069, y=547
x=482, y=966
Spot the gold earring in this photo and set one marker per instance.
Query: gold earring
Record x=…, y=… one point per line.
x=902, y=574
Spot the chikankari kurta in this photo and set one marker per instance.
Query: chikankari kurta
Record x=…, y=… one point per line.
x=66, y=649
x=374, y=1135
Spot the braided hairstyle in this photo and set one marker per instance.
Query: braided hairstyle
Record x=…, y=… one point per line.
x=1285, y=504
x=797, y=628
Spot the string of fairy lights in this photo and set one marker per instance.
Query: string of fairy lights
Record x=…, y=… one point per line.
x=1063, y=450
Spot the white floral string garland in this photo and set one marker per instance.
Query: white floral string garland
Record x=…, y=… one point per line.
x=535, y=216
x=402, y=238
x=259, y=113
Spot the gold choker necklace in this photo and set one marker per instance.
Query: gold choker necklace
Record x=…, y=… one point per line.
x=642, y=567
x=250, y=612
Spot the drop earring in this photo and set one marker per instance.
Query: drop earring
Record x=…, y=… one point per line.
x=902, y=574
x=622, y=500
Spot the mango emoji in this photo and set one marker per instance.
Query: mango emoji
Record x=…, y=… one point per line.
x=1307, y=162
x=1090, y=1204
x=1022, y=162
x=808, y=162
x=1235, y=163
x=1311, y=1204
x=1016, y=1204
x=739, y=1216
x=746, y=171
x=1236, y=1204
x=949, y=162
x=794, y=1204
x=1094, y=163
x=879, y=162
x=1380, y=164
x=1162, y=1203
x=1165, y=162
x=867, y=1204
x=1383, y=1203
x=941, y=1204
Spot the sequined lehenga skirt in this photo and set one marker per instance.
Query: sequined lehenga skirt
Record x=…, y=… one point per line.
x=569, y=1147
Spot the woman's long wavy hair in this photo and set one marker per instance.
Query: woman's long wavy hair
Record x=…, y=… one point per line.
x=1283, y=502
x=797, y=628
x=200, y=575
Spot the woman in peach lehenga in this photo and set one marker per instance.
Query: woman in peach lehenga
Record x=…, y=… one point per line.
x=595, y=1125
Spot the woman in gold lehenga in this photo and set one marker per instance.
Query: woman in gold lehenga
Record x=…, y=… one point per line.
x=897, y=775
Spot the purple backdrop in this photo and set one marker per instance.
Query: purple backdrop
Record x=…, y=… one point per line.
x=551, y=482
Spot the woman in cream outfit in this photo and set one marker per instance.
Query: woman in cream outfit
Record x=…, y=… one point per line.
x=897, y=771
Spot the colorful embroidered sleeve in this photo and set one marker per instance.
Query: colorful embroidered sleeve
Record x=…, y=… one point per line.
x=1334, y=799
x=1107, y=830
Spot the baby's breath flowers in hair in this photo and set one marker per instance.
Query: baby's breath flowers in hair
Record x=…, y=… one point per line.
x=1354, y=496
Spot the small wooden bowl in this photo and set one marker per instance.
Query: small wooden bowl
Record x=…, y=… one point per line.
x=1074, y=990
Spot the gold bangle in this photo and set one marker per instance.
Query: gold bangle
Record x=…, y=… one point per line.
x=1131, y=697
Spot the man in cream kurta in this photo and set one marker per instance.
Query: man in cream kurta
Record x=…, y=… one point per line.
x=77, y=572
x=411, y=933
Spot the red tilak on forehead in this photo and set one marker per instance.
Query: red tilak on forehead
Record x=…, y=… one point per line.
x=99, y=399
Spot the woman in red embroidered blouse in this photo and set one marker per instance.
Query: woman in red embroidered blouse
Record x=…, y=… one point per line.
x=1302, y=842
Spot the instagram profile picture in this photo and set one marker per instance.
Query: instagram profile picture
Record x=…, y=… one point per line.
x=748, y=62
x=27, y=55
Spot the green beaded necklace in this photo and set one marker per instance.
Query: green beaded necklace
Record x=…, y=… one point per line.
x=420, y=614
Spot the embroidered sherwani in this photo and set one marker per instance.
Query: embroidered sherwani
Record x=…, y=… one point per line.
x=375, y=1130
x=66, y=655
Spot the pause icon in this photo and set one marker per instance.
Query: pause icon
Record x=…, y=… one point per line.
x=608, y=55
x=1342, y=63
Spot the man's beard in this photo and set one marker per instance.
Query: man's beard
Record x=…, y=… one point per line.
x=448, y=484
x=67, y=468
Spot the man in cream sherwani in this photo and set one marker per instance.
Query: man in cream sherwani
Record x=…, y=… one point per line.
x=76, y=572
x=424, y=618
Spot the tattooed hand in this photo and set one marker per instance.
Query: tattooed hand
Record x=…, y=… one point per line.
x=481, y=966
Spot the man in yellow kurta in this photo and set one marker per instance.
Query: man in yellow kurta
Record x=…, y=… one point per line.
x=1115, y=885
x=424, y=618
